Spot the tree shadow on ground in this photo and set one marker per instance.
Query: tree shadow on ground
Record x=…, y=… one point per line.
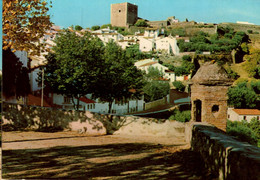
x=113, y=161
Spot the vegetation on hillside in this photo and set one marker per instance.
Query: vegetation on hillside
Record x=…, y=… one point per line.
x=244, y=131
x=224, y=41
x=245, y=94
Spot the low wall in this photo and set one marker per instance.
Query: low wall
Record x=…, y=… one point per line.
x=19, y=117
x=224, y=156
x=156, y=103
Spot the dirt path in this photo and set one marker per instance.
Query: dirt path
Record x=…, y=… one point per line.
x=68, y=155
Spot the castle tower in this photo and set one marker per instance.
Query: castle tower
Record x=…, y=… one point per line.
x=123, y=14
x=209, y=95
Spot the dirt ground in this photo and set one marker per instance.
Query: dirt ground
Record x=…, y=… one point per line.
x=70, y=155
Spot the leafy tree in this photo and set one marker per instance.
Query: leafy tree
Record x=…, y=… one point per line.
x=134, y=53
x=155, y=87
x=94, y=28
x=178, y=85
x=24, y=22
x=154, y=74
x=78, y=28
x=141, y=23
x=15, y=76
x=118, y=77
x=242, y=96
x=73, y=68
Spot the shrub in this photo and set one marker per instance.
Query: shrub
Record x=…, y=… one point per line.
x=179, y=86
x=244, y=131
x=141, y=23
x=181, y=116
x=250, y=31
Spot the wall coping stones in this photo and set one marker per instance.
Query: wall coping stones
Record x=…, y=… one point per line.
x=224, y=156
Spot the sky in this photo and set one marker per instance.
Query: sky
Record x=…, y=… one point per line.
x=88, y=13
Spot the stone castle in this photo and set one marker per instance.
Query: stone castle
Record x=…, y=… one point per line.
x=123, y=14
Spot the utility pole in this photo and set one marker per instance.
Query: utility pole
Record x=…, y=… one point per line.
x=42, y=87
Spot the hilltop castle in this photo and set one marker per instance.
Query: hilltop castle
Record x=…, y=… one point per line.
x=123, y=14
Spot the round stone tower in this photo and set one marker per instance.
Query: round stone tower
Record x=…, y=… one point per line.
x=209, y=95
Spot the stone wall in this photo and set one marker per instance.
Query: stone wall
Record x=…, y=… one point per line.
x=156, y=103
x=210, y=97
x=224, y=156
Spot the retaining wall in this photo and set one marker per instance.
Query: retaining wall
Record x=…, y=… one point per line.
x=224, y=156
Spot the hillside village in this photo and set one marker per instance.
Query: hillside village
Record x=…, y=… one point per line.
x=129, y=99
x=169, y=47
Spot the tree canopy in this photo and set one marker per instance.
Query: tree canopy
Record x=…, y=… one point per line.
x=73, y=66
x=24, y=22
x=155, y=87
x=244, y=95
x=15, y=76
x=141, y=23
x=119, y=78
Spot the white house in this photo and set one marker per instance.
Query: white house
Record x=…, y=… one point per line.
x=168, y=44
x=168, y=74
x=105, y=35
x=146, y=44
x=151, y=32
x=243, y=114
x=88, y=104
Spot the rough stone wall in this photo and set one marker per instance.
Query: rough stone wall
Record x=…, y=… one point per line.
x=118, y=14
x=132, y=14
x=224, y=156
x=210, y=96
x=123, y=14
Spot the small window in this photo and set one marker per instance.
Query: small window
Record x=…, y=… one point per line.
x=93, y=106
x=244, y=117
x=66, y=100
x=215, y=108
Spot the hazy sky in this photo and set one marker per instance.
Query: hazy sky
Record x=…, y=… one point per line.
x=97, y=12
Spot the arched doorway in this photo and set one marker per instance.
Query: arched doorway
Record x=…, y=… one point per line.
x=197, y=112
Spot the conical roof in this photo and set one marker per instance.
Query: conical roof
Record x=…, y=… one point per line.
x=211, y=74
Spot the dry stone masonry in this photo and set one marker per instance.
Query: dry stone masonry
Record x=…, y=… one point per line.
x=209, y=95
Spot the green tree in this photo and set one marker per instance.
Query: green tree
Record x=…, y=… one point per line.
x=141, y=23
x=154, y=74
x=78, y=28
x=15, y=76
x=72, y=69
x=119, y=77
x=178, y=85
x=242, y=96
x=94, y=28
x=155, y=87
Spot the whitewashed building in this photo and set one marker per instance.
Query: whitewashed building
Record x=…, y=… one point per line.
x=87, y=104
x=168, y=74
x=243, y=114
x=167, y=44
x=146, y=44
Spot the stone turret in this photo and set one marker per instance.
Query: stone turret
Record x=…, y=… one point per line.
x=209, y=95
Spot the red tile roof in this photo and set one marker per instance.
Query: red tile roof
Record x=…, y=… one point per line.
x=86, y=100
x=148, y=64
x=36, y=101
x=247, y=111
